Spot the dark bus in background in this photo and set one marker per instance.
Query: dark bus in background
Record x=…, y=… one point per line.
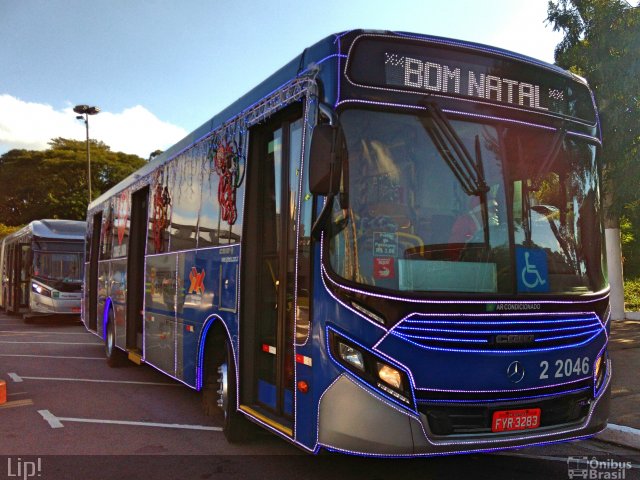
x=392, y=246
x=42, y=268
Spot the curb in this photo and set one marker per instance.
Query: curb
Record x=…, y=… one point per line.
x=632, y=315
x=620, y=435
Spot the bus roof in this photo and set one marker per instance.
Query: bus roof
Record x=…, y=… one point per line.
x=52, y=229
x=315, y=54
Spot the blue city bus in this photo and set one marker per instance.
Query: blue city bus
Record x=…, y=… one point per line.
x=392, y=246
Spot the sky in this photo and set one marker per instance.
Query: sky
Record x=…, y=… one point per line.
x=158, y=69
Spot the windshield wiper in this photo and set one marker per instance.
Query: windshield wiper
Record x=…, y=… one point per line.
x=453, y=151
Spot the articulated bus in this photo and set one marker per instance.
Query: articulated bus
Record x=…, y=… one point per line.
x=392, y=246
x=41, y=266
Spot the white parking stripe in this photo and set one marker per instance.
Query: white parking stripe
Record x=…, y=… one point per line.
x=56, y=422
x=51, y=419
x=48, y=356
x=14, y=377
x=94, y=380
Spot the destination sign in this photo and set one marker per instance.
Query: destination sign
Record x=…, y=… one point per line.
x=463, y=72
x=436, y=77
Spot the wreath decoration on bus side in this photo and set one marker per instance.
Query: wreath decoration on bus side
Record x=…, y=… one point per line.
x=161, y=204
x=225, y=159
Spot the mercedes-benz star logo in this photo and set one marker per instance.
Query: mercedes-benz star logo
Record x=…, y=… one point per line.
x=515, y=372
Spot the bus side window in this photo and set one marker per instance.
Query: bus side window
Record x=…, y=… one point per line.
x=186, y=199
x=209, y=208
x=105, y=232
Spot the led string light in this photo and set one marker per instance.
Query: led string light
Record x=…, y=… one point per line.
x=556, y=385
x=471, y=115
x=529, y=350
x=393, y=362
x=502, y=399
x=471, y=442
x=604, y=293
x=161, y=204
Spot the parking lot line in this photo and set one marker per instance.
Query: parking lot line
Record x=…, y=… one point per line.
x=48, y=356
x=17, y=378
x=56, y=422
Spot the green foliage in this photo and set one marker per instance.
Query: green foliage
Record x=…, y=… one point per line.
x=632, y=294
x=602, y=43
x=7, y=230
x=630, y=239
x=53, y=183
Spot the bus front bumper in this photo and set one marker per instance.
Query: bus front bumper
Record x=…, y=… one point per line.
x=42, y=305
x=354, y=419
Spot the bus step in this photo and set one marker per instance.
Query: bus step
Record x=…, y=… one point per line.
x=135, y=357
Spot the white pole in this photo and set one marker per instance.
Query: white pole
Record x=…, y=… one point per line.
x=614, y=267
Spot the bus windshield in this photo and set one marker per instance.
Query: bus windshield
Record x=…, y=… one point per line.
x=408, y=222
x=58, y=262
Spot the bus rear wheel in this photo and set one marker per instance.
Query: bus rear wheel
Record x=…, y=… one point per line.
x=220, y=395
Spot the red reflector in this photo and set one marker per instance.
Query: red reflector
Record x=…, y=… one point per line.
x=303, y=386
x=265, y=347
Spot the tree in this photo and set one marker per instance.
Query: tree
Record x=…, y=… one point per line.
x=6, y=230
x=52, y=183
x=602, y=43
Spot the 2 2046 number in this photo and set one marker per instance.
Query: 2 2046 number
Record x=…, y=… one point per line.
x=566, y=368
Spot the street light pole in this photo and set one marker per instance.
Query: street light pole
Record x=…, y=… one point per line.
x=86, y=110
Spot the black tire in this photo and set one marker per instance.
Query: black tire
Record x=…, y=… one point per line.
x=115, y=356
x=219, y=394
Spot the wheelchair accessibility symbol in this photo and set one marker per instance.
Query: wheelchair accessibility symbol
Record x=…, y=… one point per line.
x=531, y=264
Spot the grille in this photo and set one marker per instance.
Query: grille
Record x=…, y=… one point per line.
x=462, y=419
x=495, y=333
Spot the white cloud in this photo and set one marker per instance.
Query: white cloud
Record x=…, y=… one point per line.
x=32, y=125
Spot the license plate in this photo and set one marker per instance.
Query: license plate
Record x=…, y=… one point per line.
x=509, y=420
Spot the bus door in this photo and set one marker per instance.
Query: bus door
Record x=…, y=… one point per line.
x=267, y=323
x=135, y=269
x=19, y=277
x=9, y=286
x=92, y=288
x=25, y=260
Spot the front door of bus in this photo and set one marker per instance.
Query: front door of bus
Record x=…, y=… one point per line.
x=267, y=358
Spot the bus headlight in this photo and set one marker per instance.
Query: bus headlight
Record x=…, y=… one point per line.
x=351, y=356
x=600, y=370
x=39, y=289
x=370, y=368
x=390, y=375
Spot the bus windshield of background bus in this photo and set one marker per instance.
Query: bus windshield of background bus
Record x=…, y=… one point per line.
x=410, y=225
x=59, y=263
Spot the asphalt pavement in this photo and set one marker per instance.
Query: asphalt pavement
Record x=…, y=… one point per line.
x=624, y=417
